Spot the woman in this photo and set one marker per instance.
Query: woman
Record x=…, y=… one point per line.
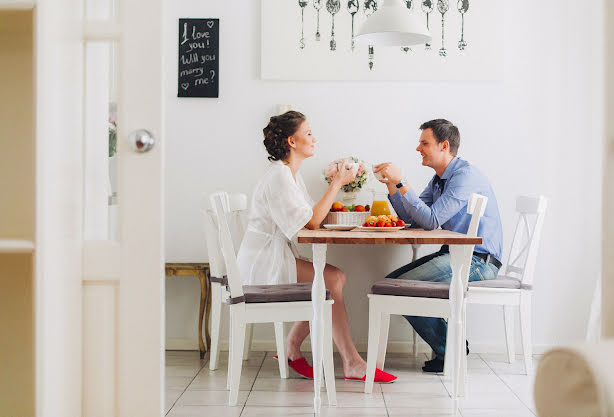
x=281, y=207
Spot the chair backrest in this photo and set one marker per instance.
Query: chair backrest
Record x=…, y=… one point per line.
x=476, y=207
x=238, y=208
x=221, y=205
x=525, y=242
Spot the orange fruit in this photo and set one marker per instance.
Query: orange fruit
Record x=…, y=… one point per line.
x=337, y=206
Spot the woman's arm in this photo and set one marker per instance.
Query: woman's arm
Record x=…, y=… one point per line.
x=322, y=207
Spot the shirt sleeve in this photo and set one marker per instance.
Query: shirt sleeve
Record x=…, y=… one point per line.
x=289, y=209
x=401, y=205
x=454, y=198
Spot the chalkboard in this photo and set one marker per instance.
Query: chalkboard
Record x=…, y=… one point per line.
x=199, y=44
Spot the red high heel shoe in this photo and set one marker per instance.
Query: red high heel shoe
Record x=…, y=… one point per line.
x=301, y=367
x=381, y=377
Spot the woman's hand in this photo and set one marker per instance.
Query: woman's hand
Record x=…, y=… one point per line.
x=344, y=176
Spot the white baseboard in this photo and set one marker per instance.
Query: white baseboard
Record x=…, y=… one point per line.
x=393, y=346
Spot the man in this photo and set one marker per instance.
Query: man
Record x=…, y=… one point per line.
x=443, y=204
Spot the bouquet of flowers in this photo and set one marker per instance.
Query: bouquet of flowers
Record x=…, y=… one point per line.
x=361, y=176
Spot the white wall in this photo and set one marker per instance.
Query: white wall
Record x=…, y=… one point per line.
x=539, y=130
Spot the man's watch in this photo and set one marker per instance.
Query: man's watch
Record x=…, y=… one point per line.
x=402, y=184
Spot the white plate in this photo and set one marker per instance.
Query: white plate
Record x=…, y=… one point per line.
x=339, y=226
x=381, y=229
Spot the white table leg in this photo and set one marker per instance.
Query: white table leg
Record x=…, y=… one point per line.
x=460, y=262
x=318, y=295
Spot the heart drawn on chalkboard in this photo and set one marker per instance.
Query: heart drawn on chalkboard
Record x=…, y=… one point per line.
x=185, y=86
x=210, y=23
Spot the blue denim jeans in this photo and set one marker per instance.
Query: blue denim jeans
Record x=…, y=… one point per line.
x=436, y=268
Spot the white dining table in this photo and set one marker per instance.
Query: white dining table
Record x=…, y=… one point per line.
x=461, y=250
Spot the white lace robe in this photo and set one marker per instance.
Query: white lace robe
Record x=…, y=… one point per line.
x=280, y=207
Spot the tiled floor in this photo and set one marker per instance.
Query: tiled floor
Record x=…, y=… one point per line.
x=495, y=388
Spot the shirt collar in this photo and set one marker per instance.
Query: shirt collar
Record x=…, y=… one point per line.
x=450, y=168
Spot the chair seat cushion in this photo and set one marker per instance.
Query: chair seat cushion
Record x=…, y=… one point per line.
x=410, y=288
x=276, y=293
x=501, y=282
x=426, y=289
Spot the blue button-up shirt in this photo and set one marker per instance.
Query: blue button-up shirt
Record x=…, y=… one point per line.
x=444, y=204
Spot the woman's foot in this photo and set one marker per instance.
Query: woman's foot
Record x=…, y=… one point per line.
x=381, y=377
x=355, y=370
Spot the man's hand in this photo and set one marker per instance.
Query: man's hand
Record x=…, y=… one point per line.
x=390, y=174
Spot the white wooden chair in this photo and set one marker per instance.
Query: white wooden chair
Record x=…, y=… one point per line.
x=426, y=299
x=513, y=289
x=219, y=291
x=219, y=294
x=265, y=304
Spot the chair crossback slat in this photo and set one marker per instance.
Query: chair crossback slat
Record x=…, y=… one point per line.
x=525, y=242
x=217, y=267
x=221, y=207
x=476, y=206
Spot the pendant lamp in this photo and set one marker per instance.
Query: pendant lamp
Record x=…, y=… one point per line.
x=393, y=25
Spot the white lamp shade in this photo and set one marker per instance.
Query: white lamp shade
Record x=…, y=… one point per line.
x=393, y=25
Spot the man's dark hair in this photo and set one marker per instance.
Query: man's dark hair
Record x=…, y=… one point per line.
x=444, y=130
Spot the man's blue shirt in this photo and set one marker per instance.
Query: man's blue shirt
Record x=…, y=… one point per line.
x=448, y=208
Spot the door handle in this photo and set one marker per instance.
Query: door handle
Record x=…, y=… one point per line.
x=141, y=140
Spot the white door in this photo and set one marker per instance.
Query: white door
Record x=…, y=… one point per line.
x=100, y=349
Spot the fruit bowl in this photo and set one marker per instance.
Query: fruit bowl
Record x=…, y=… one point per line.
x=349, y=218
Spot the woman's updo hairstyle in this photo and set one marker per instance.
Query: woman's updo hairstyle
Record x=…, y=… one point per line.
x=278, y=130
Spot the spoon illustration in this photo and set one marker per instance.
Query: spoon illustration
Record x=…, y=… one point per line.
x=462, y=6
x=409, y=4
x=303, y=4
x=353, y=7
x=427, y=8
x=370, y=7
x=317, y=4
x=333, y=7
x=443, y=6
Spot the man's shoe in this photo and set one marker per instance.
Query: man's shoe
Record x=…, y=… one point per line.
x=434, y=365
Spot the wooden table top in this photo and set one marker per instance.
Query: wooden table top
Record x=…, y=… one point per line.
x=186, y=265
x=401, y=237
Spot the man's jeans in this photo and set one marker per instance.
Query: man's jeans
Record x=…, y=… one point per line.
x=436, y=268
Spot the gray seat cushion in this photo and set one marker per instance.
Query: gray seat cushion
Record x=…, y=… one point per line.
x=276, y=293
x=409, y=288
x=501, y=282
x=426, y=289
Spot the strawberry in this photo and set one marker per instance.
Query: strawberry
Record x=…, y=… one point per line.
x=388, y=224
x=381, y=223
x=400, y=223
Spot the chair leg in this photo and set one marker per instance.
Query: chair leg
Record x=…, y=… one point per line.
x=373, y=346
x=281, y=349
x=508, y=318
x=525, y=327
x=216, y=318
x=235, y=362
x=383, y=340
x=249, y=332
x=448, y=360
x=329, y=365
x=228, y=371
x=463, y=355
x=414, y=342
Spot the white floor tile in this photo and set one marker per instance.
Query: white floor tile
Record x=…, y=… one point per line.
x=282, y=399
x=181, y=370
x=418, y=387
x=353, y=412
x=170, y=397
x=285, y=385
x=496, y=413
x=177, y=382
x=204, y=411
x=250, y=411
x=500, y=365
x=419, y=412
x=360, y=399
x=209, y=398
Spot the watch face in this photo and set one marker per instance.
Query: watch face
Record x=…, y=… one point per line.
x=400, y=185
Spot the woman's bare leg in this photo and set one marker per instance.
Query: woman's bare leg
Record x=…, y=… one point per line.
x=354, y=365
